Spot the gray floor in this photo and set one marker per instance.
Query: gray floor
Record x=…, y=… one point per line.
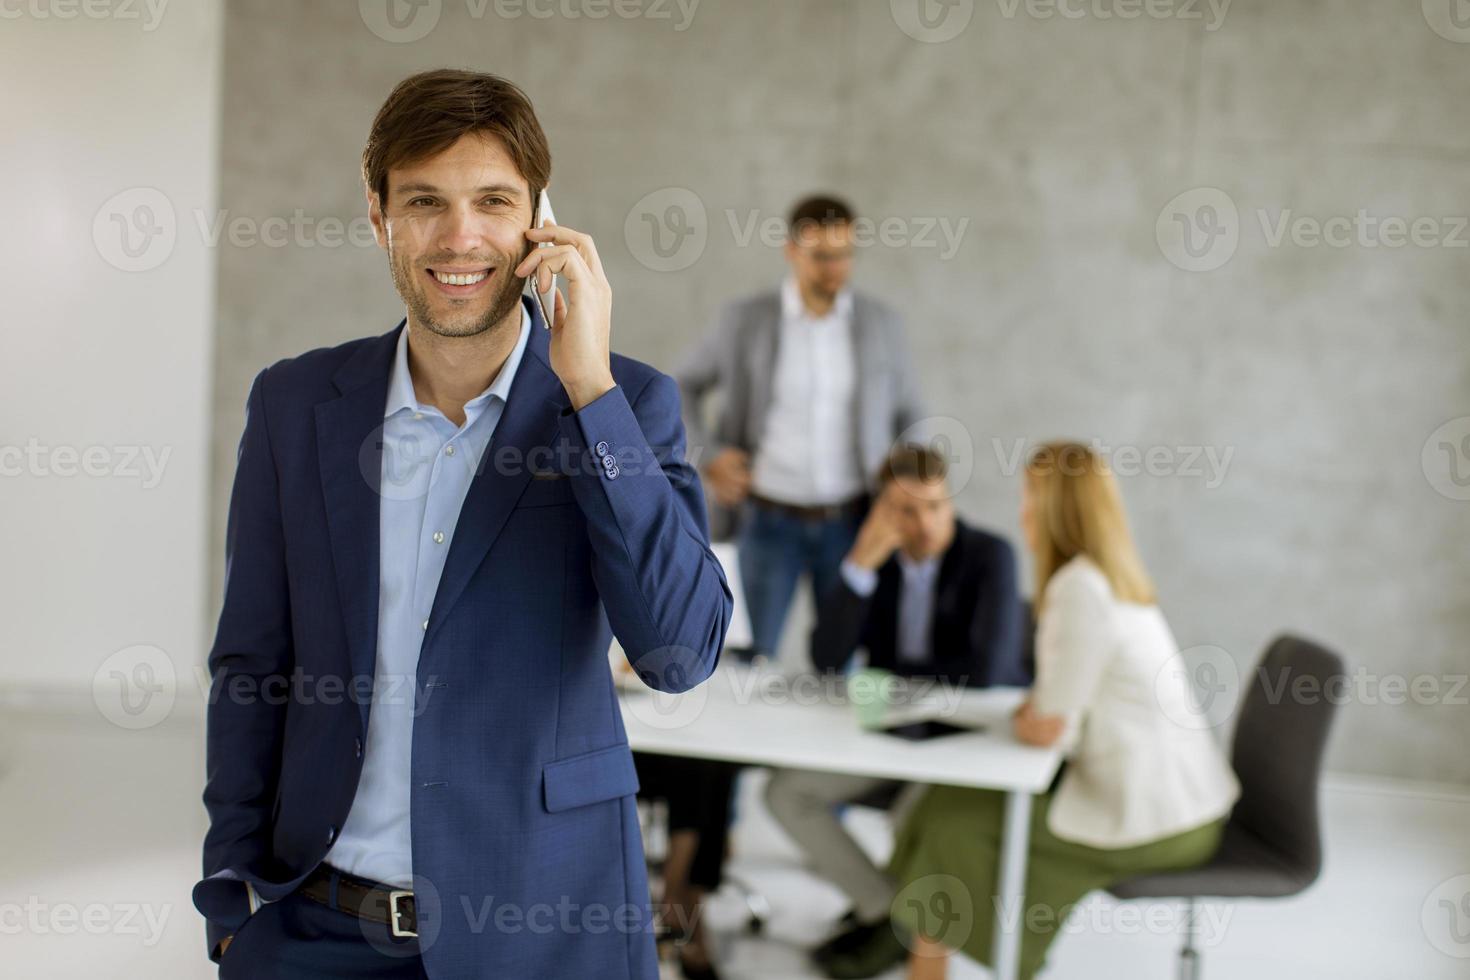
x=103, y=826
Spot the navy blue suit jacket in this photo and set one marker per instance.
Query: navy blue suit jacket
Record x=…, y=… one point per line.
x=523, y=783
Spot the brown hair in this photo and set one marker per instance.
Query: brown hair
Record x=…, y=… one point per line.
x=426, y=113
x=913, y=461
x=1078, y=510
x=819, y=210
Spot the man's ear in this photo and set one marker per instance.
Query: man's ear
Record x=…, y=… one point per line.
x=375, y=216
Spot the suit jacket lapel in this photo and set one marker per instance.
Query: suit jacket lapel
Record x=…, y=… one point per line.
x=350, y=454
x=765, y=340
x=946, y=592
x=532, y=408
x=867, y=346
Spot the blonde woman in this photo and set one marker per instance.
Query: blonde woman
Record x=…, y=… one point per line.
x=1139, y=793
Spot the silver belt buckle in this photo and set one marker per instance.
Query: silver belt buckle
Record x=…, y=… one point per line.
x=394, y=914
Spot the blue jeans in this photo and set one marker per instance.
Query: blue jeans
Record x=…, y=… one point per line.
x=775, y=548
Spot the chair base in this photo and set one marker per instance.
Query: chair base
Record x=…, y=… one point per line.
x=757, y=906
x=1190, y=967
x=1189, y=964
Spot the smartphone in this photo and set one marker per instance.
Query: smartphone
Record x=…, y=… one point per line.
x=919, y=731
x=546, y=301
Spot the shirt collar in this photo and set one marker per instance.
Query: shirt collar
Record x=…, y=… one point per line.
x=400, y=383
x=793, y=308
x=922, y=569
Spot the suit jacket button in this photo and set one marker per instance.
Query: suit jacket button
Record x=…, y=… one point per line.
x=357, y=747
x=601, y=449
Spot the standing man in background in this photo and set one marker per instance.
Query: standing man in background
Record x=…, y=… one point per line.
x=817, y=385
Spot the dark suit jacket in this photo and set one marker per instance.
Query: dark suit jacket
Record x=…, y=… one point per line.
x=523, y=783
x=976, y=633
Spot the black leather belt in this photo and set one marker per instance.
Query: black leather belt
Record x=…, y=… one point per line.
x=364, y=898
x=820, y=512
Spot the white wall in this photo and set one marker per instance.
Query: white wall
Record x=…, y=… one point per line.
x=95, y=355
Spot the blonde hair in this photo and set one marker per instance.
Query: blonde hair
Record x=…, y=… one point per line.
x=1078, y=510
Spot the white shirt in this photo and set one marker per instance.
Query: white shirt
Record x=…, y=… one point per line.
x=1140, y=769
x=428, y=465
x=808, y=453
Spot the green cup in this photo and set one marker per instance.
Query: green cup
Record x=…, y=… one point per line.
x=870, y=692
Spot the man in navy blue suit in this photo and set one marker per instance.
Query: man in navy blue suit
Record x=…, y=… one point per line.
x=416, y=763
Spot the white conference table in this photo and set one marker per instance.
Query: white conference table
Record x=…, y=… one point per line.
x=763, y=717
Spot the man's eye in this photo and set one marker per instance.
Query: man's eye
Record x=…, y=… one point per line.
x=416, y=202
x=496, y=202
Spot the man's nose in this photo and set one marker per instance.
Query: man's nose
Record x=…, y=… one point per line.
x=462, y=231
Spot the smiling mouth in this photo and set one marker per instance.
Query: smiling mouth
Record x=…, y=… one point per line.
x=460, y=282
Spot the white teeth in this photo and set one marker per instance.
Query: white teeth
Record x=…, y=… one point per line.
x=461, y=279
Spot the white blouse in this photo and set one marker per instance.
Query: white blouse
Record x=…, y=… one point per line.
x=1134, y=775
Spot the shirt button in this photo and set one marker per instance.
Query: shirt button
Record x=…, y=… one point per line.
x=601, y=449
x=438, y=537
x=331, y=834
x=449, y=450
x=426, y=624
x=418, y=415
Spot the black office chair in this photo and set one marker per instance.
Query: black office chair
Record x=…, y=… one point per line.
x=1272, y=844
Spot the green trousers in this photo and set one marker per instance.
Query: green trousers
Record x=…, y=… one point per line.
x=946, y=864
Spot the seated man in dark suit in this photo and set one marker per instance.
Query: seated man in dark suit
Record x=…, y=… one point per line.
x=928, y=596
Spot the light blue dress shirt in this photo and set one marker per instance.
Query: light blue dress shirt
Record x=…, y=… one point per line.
x=915, y=601
x=428, y=464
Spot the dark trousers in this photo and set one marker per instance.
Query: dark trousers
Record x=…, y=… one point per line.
x=300, y=939
x=698, y=793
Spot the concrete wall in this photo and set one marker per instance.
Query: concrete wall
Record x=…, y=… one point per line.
x=110, y=147
x=1055, y=149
